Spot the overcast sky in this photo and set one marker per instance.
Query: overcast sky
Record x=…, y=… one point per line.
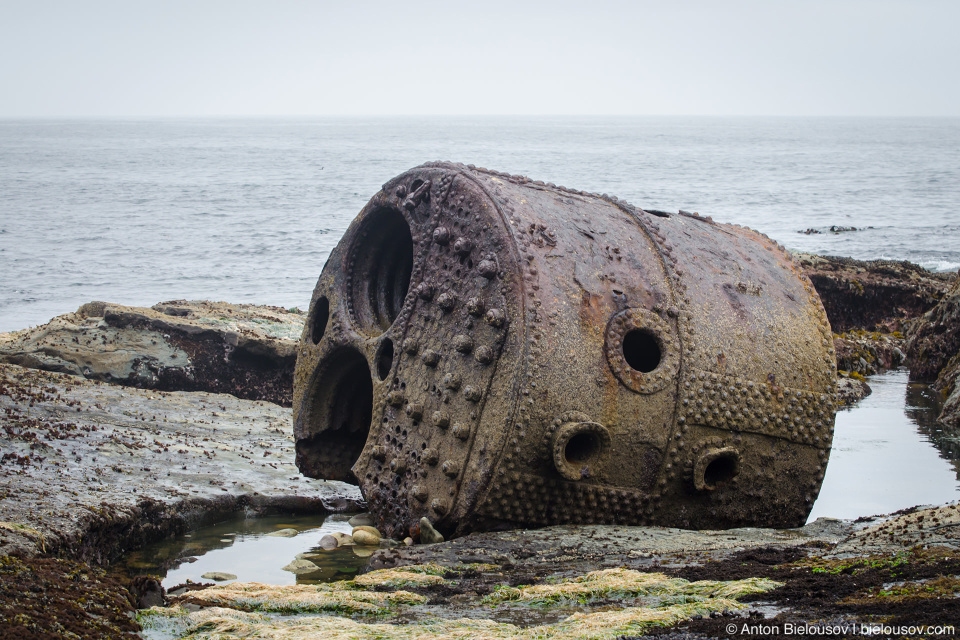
x=293, y=57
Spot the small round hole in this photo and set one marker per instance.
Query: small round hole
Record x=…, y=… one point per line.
x=385, y=359
x=721, y=470
x=581, y=448
x=641, y=350
x=318, y=324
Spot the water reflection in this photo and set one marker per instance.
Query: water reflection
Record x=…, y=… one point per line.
x=889, y=453
x=244, y=547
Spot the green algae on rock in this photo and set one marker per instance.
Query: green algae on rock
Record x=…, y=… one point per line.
x=679, y=600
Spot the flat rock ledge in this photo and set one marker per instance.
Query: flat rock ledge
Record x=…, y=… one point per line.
x=245, y=350
x=89, y=470
x=603, y=581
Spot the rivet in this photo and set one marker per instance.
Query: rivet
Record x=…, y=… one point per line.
x=495, y=318
x=410, y=346
x=472, y=394
x=487, y=269
x=441, y=235
x=452, y=381
x=447, y=301
x=379, y=453
x=463, y=246
x=450, y=468
x=415, y=410
x=431, y=358
x=463, y=343
x=395, y=398
x=426, y=290
x=441, y=419
x=475, y=307
x=419, y=493
x=438, y=507
x=430, y=456
x=460, y=431
x=397, y=465
x=483, y=355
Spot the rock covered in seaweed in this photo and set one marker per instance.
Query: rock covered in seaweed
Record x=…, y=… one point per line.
x=933, y=349
x=872, y=295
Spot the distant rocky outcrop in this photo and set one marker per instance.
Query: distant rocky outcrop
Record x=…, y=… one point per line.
x=248, y=351
x=874, y=295
x=933, y=350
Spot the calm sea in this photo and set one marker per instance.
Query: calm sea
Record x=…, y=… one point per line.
x=139, y=211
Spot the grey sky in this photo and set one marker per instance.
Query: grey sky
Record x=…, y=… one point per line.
x=239, y=57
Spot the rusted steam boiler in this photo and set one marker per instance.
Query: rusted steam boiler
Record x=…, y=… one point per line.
x=489, y=351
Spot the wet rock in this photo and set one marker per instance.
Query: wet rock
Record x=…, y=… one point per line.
x=874, y=295
x=365, y=537
x=868, y=353
x=218, y=576
x=935, y=338
x=852, y=390
x=284, y=533
x=343, y=540
x=387, y=543
x=429, y=535
x=329, y=542
x=361, y=520
x=147, y=591
x=90, y=470
x=246, y=350
x=301, y=565
x=933, y=351
x=408, y=541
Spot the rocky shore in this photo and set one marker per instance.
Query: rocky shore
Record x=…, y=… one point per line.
x=124, y=425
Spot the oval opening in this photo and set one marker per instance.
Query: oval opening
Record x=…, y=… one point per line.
x=339, y=419
x=319, y=318
x=382, y=261
x=720, y=470
x=385, y=359
x=641, y=350
x=582, y=447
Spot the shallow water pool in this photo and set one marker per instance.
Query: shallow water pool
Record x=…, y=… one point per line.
x=889, y=454
x=244, y=547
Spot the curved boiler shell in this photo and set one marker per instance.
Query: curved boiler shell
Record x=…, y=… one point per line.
x=488, y=351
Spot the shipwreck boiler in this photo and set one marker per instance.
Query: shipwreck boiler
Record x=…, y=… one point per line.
x=490, y=351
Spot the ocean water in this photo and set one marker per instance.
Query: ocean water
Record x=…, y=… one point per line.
x=247, y=210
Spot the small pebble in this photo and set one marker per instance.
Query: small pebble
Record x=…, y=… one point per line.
x=218, y=576
x=284, y=533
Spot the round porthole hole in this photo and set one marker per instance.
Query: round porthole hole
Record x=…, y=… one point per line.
x=641, y=350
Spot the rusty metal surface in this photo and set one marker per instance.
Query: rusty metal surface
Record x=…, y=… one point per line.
x=489, y=351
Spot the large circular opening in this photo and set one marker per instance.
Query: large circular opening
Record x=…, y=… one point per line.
x=382, y=261
x=318, y=320
x=339, y=418
x=641, y=350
